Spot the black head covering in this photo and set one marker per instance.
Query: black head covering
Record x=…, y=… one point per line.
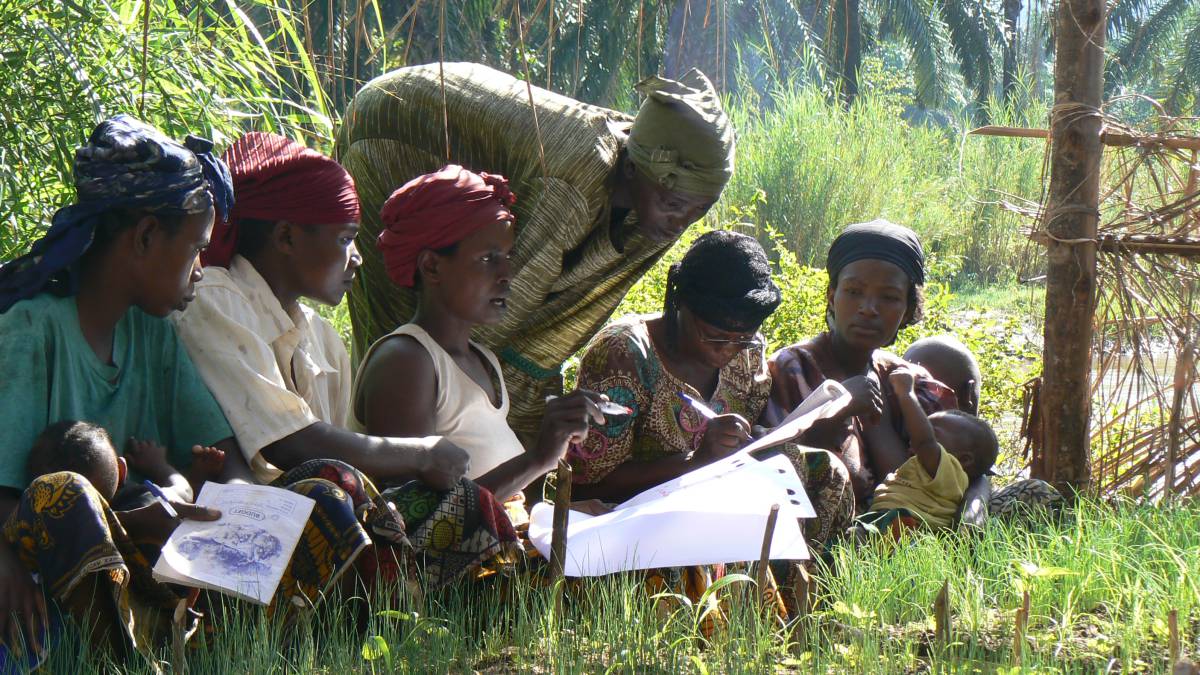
x=878, y=240
x=125, y=164
x=725, y=279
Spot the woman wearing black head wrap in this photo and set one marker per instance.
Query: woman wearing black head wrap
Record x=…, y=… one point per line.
x=876, y=271
x=705, y=345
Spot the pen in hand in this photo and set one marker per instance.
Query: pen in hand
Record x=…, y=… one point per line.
x=699, y=406
x=161, y=497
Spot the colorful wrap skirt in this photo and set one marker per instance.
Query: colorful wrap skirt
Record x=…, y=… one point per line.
x=65, y=532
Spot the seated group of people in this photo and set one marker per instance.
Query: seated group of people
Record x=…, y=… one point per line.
x=157, y=332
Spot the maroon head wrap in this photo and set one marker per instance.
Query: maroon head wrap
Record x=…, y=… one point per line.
x=276, y=178
x=437, y=210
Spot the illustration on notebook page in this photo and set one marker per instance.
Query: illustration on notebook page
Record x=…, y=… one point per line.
x=235, y=549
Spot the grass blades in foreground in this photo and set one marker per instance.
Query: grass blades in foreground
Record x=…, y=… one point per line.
x=1102, y=580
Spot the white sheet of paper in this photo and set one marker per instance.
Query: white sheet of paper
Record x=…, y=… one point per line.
x=827, y=400
x=246, y=551
x=698, y=524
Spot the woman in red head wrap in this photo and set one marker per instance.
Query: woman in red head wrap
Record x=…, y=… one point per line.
x=282, y=373
x=450, y=233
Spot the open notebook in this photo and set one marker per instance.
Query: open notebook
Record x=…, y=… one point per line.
x=245, y=553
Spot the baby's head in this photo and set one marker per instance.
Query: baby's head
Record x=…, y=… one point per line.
x=950, y=362
x=968, y=438
x=81, y=447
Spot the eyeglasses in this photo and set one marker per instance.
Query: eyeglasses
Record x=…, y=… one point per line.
x=741, y=343
x=752, y=342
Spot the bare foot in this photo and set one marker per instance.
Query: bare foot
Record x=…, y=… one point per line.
x=207, y=464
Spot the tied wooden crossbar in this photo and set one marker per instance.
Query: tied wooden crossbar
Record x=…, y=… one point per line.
x=1115, y=139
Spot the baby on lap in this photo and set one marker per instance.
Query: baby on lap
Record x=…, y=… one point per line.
x=949, y=450
x=87, y=449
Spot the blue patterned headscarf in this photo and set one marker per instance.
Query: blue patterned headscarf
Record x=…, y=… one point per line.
x=126, y=164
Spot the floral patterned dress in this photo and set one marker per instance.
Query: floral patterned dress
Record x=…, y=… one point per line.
x=623, y=362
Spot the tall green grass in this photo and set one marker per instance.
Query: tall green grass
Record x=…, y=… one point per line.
x=807, y=167
x=1101, y=581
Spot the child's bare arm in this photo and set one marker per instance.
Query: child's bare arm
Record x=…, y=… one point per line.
x=150, y=459
x=920, y=431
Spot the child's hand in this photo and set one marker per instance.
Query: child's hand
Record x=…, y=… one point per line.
x=148, y=458
x=902, y=379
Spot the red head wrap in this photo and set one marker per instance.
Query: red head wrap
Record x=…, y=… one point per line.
x=437, y=210
x=275, y=178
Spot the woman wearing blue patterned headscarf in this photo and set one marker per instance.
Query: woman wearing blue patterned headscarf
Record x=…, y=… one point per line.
x=83, y=336
x=128, y=168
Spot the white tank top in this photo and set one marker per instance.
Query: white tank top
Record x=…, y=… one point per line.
x=464, y=414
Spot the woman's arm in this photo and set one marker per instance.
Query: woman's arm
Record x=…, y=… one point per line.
x=432, y=459
x=974, y=509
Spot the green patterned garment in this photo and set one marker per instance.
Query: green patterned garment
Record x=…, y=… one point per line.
x=569, y=276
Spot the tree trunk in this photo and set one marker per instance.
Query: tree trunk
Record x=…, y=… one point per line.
x=852, y=44
x=1012, y=14
x=1070, y=221
x=693, y=44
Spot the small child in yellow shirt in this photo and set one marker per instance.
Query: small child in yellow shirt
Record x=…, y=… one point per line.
x=949, y=450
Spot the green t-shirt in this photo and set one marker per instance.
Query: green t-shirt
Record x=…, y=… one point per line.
x=49, y=373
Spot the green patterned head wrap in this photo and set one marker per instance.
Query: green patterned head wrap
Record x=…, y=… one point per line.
x=681, y=136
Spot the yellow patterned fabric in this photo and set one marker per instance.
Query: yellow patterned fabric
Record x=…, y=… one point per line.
x=569, y=274
x=67, y=533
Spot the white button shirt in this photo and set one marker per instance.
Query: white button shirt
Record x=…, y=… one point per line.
x=272, y=371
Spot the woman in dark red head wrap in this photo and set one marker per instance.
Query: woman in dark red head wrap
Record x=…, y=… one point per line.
x=282, y=373
x=300, y=202
x=451, y=234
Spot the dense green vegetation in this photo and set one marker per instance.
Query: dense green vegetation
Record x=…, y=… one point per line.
x=808, y=162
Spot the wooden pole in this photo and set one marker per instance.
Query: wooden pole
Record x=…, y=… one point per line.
x=1173, y=636
x=764, y=557
x=1182, y=384
x=1070, y=223
x=1019, y=624
x=558, y=531
x=802, y=592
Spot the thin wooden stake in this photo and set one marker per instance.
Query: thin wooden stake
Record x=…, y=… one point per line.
x=802, y=592
x=941, y=615
x=442, y=74
x=760, y=574
x=550, y=46
x=179, y=638
x=562, y=506
x=537, y=127
x=1019, y=624
x=1173, y=639
x=1182, y=385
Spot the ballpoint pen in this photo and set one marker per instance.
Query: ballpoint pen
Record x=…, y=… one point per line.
x=699, y=406
x=162, y=498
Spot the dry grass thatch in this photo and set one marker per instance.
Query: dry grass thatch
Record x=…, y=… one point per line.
x=1146, y=414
